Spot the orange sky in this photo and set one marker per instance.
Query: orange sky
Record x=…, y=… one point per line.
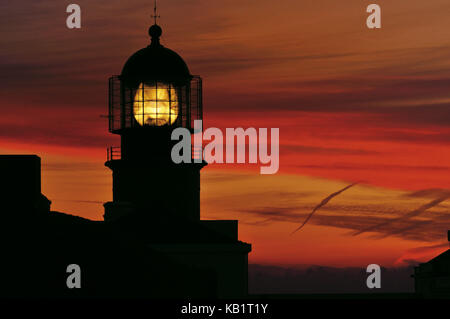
x=352, y=104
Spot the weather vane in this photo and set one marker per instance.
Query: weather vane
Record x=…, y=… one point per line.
x=155, y=15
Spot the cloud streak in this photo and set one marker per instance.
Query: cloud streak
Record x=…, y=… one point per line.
x=422, y=209
x=322, y=203
x=407, y=216
x=380, y=211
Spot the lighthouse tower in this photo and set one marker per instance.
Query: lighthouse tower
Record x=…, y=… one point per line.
x=154, y=94
x=157, y=199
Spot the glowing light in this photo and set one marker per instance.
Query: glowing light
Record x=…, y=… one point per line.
x=155, y=104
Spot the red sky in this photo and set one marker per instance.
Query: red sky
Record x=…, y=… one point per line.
x=352, y=104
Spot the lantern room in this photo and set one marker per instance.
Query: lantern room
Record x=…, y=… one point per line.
x=155, y=89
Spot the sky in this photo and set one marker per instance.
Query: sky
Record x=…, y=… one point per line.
x=352, y=105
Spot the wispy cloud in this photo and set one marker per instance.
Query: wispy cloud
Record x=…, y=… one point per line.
x=411, y=255
x=403, y=218
x=321, y=204
x=378, y=213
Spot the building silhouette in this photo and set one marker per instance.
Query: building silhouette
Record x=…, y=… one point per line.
x=152, y=242
x=432, y=279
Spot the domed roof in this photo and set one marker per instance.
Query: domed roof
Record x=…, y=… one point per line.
x=155, y=62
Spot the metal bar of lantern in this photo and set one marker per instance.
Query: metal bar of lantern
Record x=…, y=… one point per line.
x=185, y=107
x=156, y=103
x=131, y=106
x=110, y=99
x=180, y=106
x=114, y=103
x=200, y=106
x=182, y=103
x=143, y=103
x=117, y=105
x=188, y=106
x=170, y=103
x=199, y=99
x=111, y=103
x=122, y=105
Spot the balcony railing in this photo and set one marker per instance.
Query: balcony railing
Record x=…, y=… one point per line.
x=113, y=153
x=196, y=153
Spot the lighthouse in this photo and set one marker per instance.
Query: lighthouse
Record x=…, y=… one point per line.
x=155, y=199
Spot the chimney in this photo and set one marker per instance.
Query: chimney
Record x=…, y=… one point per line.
x=20, y=184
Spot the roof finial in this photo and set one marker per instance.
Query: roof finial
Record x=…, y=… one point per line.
x=155, y=13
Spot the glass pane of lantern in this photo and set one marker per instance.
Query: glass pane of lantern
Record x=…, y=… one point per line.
x=155, y=104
